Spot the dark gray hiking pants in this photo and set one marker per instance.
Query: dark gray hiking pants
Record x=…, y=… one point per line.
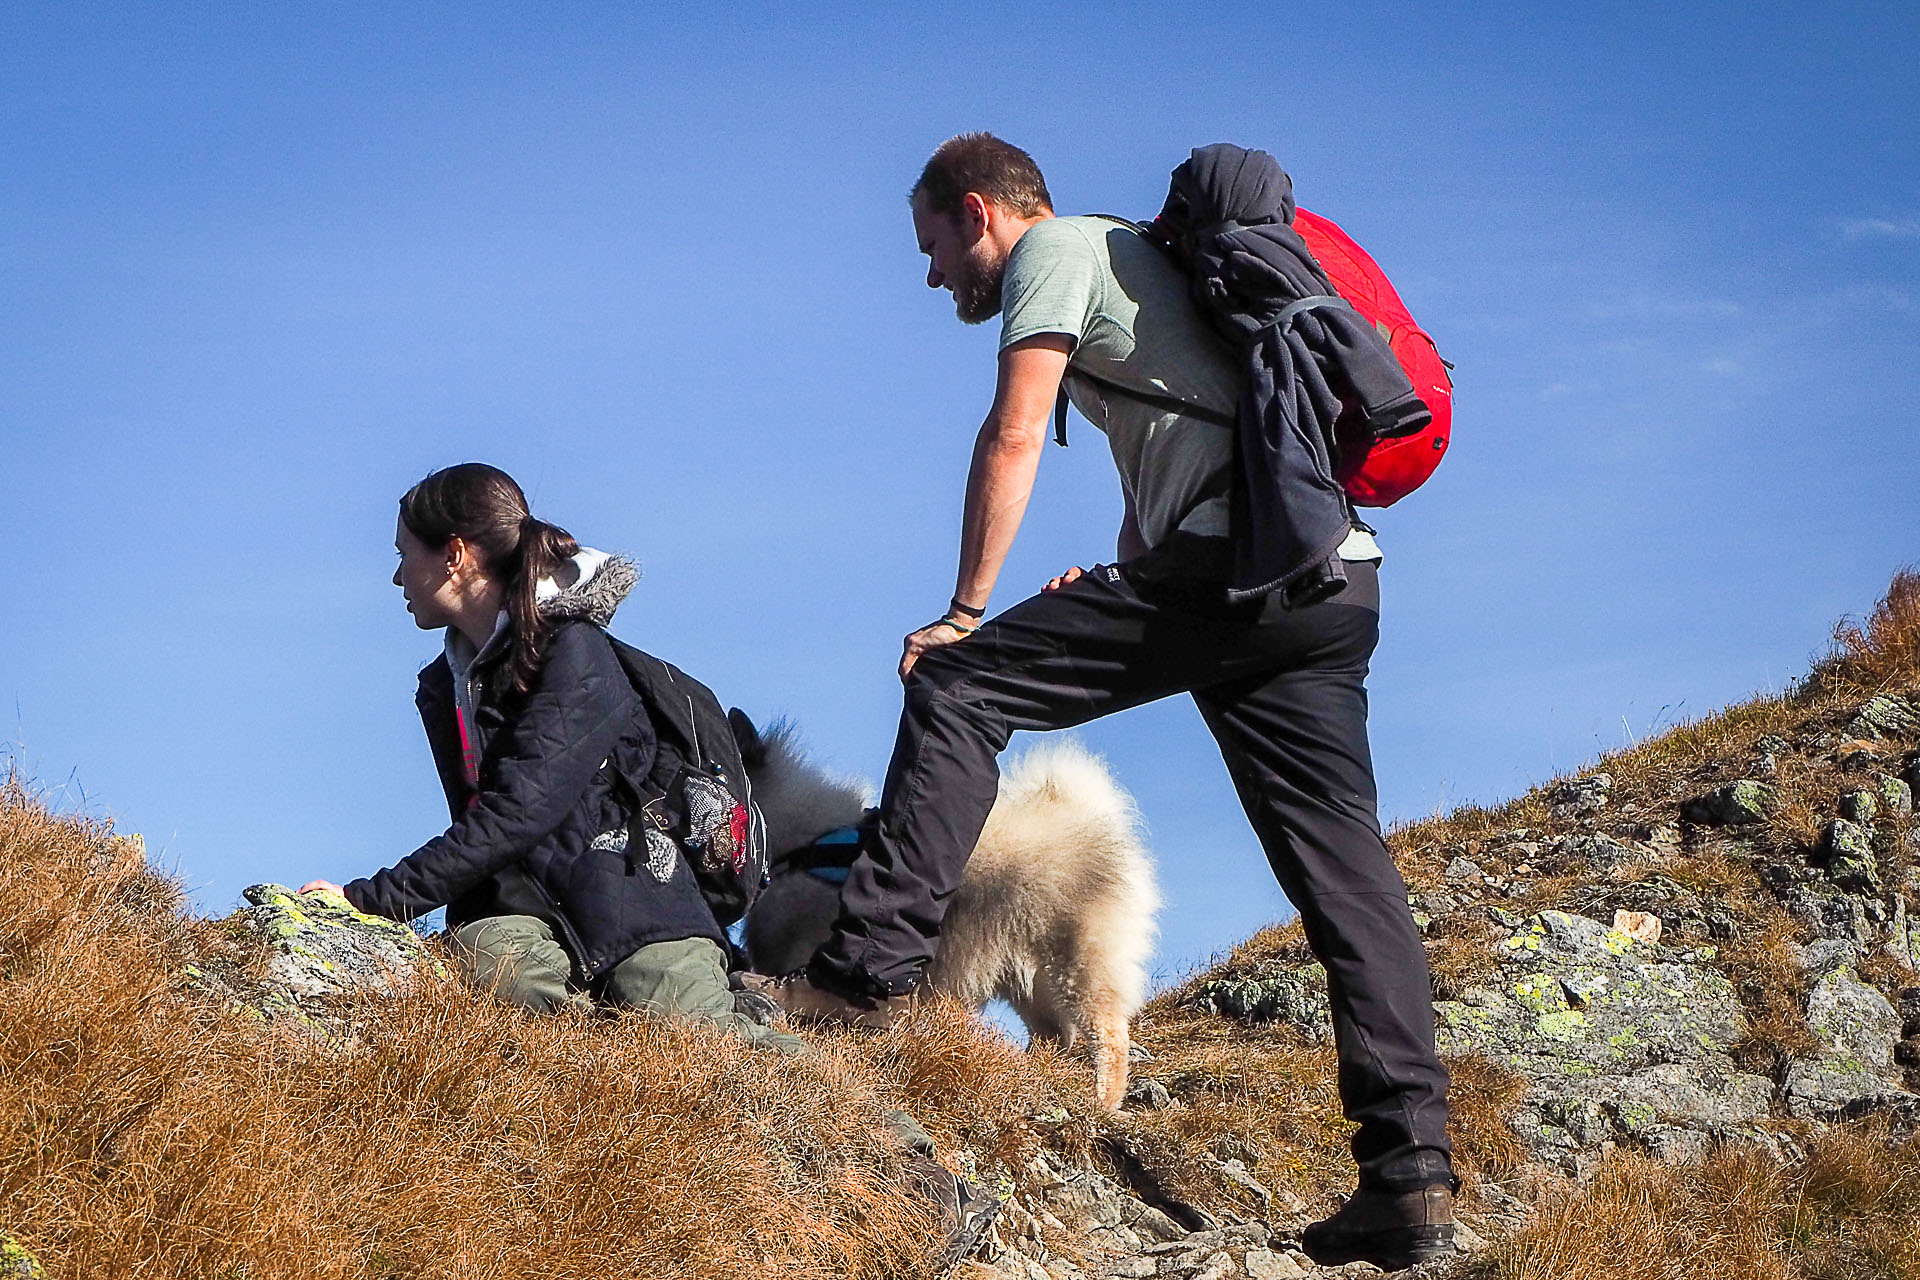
x=1284, y=694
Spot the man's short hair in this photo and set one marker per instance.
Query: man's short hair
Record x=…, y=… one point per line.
x=983, y=164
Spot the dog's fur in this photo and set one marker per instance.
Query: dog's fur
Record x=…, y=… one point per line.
x=1055, y=914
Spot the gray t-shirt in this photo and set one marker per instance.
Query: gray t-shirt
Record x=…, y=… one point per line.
x=1127, y=309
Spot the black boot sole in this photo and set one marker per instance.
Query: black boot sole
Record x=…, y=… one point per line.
x=1394, y=1249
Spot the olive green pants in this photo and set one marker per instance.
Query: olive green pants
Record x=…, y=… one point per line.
x=521, y=961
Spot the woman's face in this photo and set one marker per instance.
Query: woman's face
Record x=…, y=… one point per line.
x=425, y=577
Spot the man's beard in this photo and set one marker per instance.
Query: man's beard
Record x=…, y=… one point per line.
x=976, y=291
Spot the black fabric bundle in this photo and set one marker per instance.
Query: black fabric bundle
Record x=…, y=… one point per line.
x=1228, y=217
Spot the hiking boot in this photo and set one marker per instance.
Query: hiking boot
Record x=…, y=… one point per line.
x=804, y=1002
x=1391, y=1229
x=964, y=1212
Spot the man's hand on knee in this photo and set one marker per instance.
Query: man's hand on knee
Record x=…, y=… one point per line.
x=932, y=636
x=1066, y=579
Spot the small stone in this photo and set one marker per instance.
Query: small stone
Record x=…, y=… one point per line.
x=1218, y=1267
x=1857, y=754
x=1144, y=1094
x=1134, y=1268
x=1771, y=744
x=1265, y=1264
x=1158, y=1226
x=1859, y=806
x=1846, y=854
x=1464, y=871
x=1736, y=804
x=1672, y=1145
x=1638, y=925
x=1578, y=797
x=1897, y=794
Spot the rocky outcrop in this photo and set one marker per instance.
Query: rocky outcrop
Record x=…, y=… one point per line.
x=318, y=953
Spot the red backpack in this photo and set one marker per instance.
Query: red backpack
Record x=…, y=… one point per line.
x=1388, y=470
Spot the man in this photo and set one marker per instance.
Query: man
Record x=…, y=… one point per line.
x=1091, y=301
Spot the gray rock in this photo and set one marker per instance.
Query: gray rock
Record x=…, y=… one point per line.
x=1736, y=804
x=1265, y=1264
x=1464, y=871
x=1617, y=1037
x=1857, y=1073
x=1578, y=797
x=1296, y=996
x=1846, y=854
x=1903, y=940
x=1885, y=716
x=1860, y=806
x=1857, y=1023
x=319, y=952
x=1824, y=955
x=1585, y=853
x=1147, y=1094
x=1771, y=744
x=1897, y=795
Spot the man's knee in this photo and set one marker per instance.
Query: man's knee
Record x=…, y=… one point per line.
x=936, y=695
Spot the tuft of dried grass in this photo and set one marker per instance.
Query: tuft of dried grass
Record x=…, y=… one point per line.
x=145, y=1131
x=1849, y=1211
x=1883, y=650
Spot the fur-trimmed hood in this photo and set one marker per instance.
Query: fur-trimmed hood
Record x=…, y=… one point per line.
x=597, y=584
x=590, y=586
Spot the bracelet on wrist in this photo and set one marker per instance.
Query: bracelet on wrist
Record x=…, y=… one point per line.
x=964, y=628
x=965, y=610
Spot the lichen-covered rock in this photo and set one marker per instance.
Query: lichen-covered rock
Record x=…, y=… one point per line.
x=1860, y=1029
x=1860, y=805
x=1846, y=854
x=1897, y=795
x=1583, y=853
x=1297, y=996
x=16, y=1263
x=1736, y=804
x=1621, y=1040
x=1884, y=716
x=319, y=952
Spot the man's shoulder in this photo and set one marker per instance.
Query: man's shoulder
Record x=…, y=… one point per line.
x=1053, y=237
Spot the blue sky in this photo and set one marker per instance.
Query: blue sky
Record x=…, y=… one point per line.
x=261, y=267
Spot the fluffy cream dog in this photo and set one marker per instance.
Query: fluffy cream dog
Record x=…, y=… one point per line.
x=1055, y=914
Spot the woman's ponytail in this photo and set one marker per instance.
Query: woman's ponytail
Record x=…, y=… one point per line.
x=485, y=508
x=543, y=548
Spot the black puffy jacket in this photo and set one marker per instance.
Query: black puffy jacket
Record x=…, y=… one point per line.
x=545, y=834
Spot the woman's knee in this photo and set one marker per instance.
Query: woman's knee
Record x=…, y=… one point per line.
x=518, y=959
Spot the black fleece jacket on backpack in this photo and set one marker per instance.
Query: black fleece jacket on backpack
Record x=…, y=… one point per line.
x=545, y=833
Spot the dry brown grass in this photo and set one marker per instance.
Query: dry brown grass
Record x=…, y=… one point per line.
x=145, y=1132
x=1883, y=650
x=1849, y=1211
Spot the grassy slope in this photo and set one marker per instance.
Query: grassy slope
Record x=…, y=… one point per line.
x=145, y=1132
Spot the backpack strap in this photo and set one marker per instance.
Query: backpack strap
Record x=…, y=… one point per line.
x=1060, y=400
x=1169, y=403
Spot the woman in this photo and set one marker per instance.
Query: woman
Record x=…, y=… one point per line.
x=532, y=722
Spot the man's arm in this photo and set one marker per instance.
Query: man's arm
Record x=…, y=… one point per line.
x=1005, y=457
